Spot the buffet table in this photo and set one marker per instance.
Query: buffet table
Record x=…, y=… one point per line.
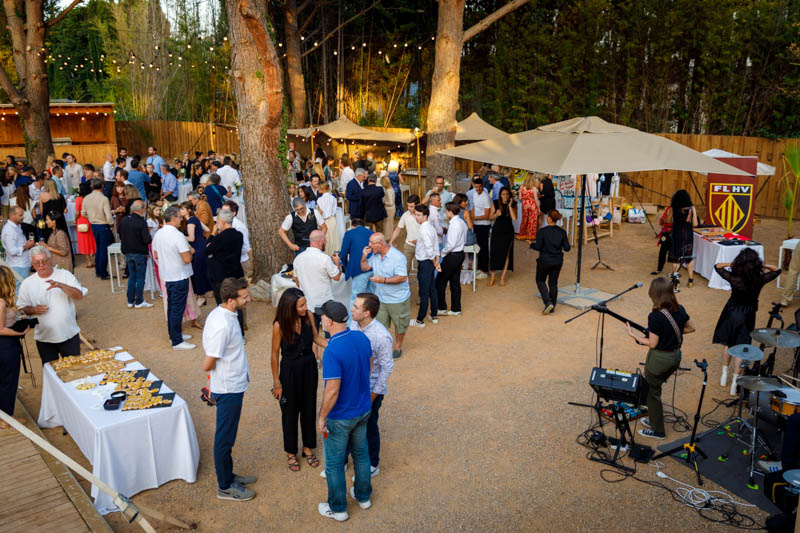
x=132, y=451
x=708, y=253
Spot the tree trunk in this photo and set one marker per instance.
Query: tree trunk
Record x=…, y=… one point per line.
x=32, y=99
x=442, y=109
x=297, y=83
x=257, y=86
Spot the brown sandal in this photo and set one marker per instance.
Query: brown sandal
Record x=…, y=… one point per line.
x=294, y=466
x=312, y=460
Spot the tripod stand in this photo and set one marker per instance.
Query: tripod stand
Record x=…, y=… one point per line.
x=597, y=245
x=691, y=447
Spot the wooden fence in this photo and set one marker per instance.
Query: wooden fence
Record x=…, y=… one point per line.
x=84, y=153
x=174, y=138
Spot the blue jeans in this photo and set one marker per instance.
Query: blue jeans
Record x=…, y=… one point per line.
x=373, y=434
x=137, y=266
x=229, y=410
x=341, y=433
x=24, y=272
x=360, y=283
x=103, y=237
x=427, y=289
x=177, y=292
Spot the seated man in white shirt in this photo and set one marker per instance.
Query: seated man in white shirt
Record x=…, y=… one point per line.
x=50, y=296
x=453, y=258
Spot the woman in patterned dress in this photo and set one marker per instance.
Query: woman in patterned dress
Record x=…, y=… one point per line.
x=529, y=196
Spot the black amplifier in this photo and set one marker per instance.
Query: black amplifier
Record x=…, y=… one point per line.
x=619, y=386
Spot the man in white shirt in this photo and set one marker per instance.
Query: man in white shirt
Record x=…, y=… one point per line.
x=314, y=272
x=427, y=254
x=73, y=173
x=434, y=205
x=36, y=188
x=15, y=244
x=123, y=153
x=301, y=222
x=481, y=213
x=174, y=257
x=438, y=187
x=227, y=174
x=50, y=296
x=365, y=309
x=345, y=174
x=108, y=176
x=407, y=222
x=453, y=258
x=229, y=375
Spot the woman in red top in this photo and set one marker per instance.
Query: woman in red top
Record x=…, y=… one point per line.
x=86, y=244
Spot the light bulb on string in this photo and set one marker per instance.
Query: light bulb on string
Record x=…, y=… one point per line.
x=335, y=53
x=363, y=45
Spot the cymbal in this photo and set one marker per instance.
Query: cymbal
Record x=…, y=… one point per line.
x=747, y=352
x=782, y=338
x=758, y=383
x=792, y=477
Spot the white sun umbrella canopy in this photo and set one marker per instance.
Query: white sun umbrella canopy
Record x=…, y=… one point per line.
x=474, y=128
x=588, y=145
x=762, y=170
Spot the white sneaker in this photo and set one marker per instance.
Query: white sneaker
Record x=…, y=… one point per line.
x=130, y=306
x=186, y=336
x=481, y=275
x=184, y=346
x=414, y=324
x=434, y=320
x=723, y=379
x=373, y=471
x=454, y=313
x=144, y=305
x=323, y=475
x=325, y=510
x=364, y=505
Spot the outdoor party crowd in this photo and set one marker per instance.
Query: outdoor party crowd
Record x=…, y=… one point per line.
x=186, y=249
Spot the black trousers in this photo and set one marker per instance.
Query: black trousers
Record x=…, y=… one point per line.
x=549, y=273
x=215, y=286
x=665, y=244
x=482, y=234
x=10, y=354
x=299, y=382
x=49, y=351
x=451, y=273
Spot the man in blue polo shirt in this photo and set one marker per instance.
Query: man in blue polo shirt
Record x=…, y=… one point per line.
x=346, y=408
x=390, y=279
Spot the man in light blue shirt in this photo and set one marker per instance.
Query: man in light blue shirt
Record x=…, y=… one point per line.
x=390, y=278
x=494, y=179
x=137, y=178
x=154, y=159
x=169, y=187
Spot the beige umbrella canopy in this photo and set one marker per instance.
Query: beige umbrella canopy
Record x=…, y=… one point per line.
x=588, y=145
x=474, y=128
x=344, y=128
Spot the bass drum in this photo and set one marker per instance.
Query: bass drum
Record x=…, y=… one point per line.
x=786, y=406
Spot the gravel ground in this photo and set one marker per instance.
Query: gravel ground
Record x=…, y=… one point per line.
x=476, y=431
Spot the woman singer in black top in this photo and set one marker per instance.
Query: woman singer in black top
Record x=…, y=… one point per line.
x=666, y=325
x=551, y=243
x=747, y=275
x=295, y=384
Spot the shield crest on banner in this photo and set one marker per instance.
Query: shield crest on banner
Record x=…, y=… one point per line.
x=730, y=205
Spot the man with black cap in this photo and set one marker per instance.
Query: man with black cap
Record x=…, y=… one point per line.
x=346, y=408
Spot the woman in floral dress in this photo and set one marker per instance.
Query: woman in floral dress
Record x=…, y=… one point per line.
x=529, y=196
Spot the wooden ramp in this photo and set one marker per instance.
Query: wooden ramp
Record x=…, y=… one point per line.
x=37, y=492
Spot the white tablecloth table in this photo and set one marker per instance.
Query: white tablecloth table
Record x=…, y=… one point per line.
x=708, y=253
x=132, y=451
x=184, y=188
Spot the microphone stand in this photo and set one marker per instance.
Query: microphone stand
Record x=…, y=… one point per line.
x=603, y=309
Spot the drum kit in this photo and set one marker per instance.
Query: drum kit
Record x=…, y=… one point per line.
x=784, y=394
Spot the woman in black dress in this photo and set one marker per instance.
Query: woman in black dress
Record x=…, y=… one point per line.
x=551, y=243
x=547, y=197
x=195, y=234
x=666, y=325
x=501, y=245
x=295, y=384
x=684, y=220
x=747, y=275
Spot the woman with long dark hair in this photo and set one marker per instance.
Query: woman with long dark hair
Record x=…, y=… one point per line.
x=195, y=234
x=58, y=243
x=547, y=196
x=295, y=383
x=747, y=275
x=10, y=349
x=501, y=245
x=666, y=325
x=684, y=219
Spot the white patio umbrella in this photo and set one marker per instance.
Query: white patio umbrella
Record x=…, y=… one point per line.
x=586, y=145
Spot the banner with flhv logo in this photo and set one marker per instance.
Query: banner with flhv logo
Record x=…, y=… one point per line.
x=729, y=199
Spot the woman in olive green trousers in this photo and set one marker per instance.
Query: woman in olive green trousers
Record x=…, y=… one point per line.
x=666, y=325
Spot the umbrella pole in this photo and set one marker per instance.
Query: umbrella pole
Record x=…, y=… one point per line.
x=580, y=232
